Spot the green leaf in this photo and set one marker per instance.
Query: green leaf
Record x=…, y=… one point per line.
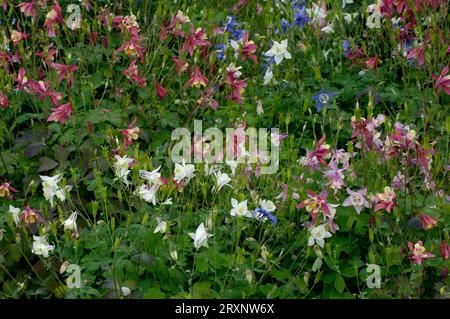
x=339, y=284
x=154, y=293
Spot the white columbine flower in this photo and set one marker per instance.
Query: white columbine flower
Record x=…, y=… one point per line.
x=222, y=180
x=239, y=209
x=121, y=168
x=268, y=76
x=183, y=171
x=267, y=205
x=41, y=246
x=153, y=177
x=71, y=222
x=15, y=213
x=162, y=226
x=233, y=165
x=200, y=237
x=148, y=193
x=318, y=234
x=52, y=189
x=279, y=51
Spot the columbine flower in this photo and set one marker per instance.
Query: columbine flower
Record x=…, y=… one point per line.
x=445, y=250
x=267, y=205
x=279, y=51
x=418, y=252
x=200, y=237
x=71, y=222
x=356, y=199
x=427, y=222
x=316, y=204
x=148, y=193
x=153, y=177
x=52, y=189
x=6, y=189
x=318, y=156
x=3, y=100
x=239, y=209
x=30, y=216
x=197, y=79
x=263, y=215
x=183, y=171
x=121, y=168
x=15, y=213
x=222, y=179
x=268, y=76
x=385, y=200
x=61, y=114
x=443, y=80
x=323, y=98
x=160, y=90
x=41, y=246
x=318, y=234
x=162, y=226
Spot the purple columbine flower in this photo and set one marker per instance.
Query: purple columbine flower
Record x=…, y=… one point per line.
x=262, y=214
x=323, y=98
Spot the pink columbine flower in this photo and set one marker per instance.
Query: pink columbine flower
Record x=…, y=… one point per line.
x=418, y=252
x=53, y=17
x=385, y=200
x=180, y=65
x=316, y=204
x=335, y=178
x=417, y=54
x=133, y=47
x=317, y=156
x=443, y=81
x=237, y=87
x=131, y=133
x=30, y=216
x=6, y=189
x=197, y=79
x=61, y=114
x=372, y=63
x=427, y=222
x=356, y=199
x=445, y=250
x=3, y=100
x=29, y=8
x=248, y=48
x=21, y=79
x=197, y=38
x=160, y=90
x=133, y=74
x=64, y=71
x=43, y=89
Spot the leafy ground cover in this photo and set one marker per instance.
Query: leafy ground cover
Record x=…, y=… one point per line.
x=92, y=204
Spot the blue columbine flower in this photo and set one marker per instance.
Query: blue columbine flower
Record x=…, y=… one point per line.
x=346, y=47
x=300, y=17
x=261, y=214
x=220, y=48
x=284, y=25
x=323, y=98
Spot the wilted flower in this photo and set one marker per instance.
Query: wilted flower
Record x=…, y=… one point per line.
x=200, y=237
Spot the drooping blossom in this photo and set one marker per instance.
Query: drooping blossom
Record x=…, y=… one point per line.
x=197, y=79
x=162, y=226
x=443, y=81
x=315, y=158
x=6, y=189
x=445, y=250
x=161, y=91
x=71, y=222
x=427, y=222
x=61, y=114
x=222, y=179
x=30, y=216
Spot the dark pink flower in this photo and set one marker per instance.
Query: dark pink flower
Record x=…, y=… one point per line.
x=21, y=79
x=29, y=8
x=133, y=74
x=53, y=17
x=180, y=65
x=249, y=47
x=6, y=189
x=427, y=222
x=160, y=90
x=61, y=114
x=385, y=200
x=445, y=250
x=3, y=100
x=64, y=71
x=317, y=157
x=196, y=38
x=443, y=81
